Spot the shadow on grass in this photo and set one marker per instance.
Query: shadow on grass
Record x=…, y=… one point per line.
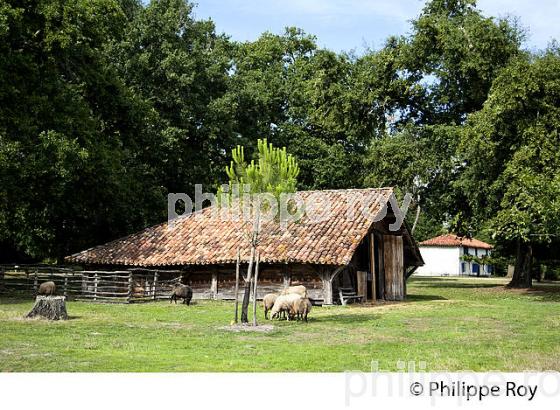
x=457, y=283
x=345, y=318
x=542, y=291
x=15, y=300
x=43, y=319
x=423, y=298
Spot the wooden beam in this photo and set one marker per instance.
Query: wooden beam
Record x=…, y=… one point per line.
x=327, y=277
x=327, y=291
x=156, y=278
x=372, y=269
x=361, y=284
x=214, y=285
x=286, y=276
x=35, y=283
x=129, y=292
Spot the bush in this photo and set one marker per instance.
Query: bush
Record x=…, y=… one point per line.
x=551, y=272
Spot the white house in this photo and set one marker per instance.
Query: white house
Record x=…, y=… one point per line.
x=452, y=255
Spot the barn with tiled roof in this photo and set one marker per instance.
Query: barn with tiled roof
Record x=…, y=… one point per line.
x=343, y=240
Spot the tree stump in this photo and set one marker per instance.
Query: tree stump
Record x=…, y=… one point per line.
x=49, y=307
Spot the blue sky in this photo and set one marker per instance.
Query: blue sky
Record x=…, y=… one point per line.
x=357, y=24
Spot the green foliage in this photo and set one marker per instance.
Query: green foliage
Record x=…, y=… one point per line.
x=274, y=171
x=459, y=53
x=426, y=85
x=108, y=105
x=105, y=107
x=551, y=271
x=67, y=125
x=178, y=67
x=298, y=95
x=511, y=155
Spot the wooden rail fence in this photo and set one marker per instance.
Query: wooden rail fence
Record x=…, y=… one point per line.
x=126, y=286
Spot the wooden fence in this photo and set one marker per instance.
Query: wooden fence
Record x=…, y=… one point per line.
x=126, y=286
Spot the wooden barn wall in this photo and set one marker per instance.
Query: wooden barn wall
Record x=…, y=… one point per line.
x=218, y=282
x=308, y=277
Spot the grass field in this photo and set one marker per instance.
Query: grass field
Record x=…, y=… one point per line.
x=450, y=324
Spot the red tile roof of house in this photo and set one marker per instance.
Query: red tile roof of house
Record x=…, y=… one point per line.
x=205, y=238
x=455, y=240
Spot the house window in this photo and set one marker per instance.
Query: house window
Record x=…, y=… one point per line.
x=475, y=252
x=476, y=268
x=463, y=267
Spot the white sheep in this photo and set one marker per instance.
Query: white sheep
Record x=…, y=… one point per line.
x=298, y=290
x=300, y=308
x=268, y=302
x=284, y=303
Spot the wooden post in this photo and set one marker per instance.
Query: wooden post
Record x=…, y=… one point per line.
x=214, y=285
x=255, y=291
x=372, y=263
x=327, y=291
x=156, y=277
x=85, y=281
x=327, y=278
x=394, y=267
x=286, y=276
x=129, y=296
x=35, y=283
x=95, y=281
x=2, y=285
x=380, y=266
x=65, y=285
x=237, y=285
x=147, y=287
x=361, y=284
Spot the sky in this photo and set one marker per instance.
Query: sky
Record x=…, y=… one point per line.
x=345, y=25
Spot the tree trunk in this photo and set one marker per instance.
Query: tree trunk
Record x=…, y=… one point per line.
x=255, y=291
x=415, y=218
x=237, y=285
x=49, y=307
x=523, y=264
x=247, y=290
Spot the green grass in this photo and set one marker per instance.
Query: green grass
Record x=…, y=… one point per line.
x=450, y=324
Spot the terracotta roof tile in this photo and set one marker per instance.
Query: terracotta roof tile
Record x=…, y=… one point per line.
x=455, y=240
x=205, y=238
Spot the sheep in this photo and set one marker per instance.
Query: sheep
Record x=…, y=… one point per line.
x=300, y=308
x=268, y=302
x=181, y=291
x=284, y=303
x=47, y=289
x=298, y=290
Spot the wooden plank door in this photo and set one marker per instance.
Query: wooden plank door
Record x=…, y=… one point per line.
x=394, y=267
